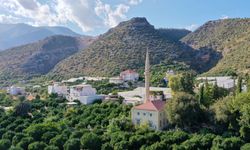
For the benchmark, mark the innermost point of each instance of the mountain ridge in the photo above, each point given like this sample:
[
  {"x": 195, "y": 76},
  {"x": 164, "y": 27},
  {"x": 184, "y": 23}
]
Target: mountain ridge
[
  {"x": 40, "y": 57},
  {"x": 231, "y": 38},
  {"x": 124, "y": 47},
  {"x": 13, "y": 35}
]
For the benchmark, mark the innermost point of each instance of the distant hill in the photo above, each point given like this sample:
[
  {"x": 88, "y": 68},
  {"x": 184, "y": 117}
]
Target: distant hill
[
  {"x": 40, "y": 57},
  {"x": 124, "y": 47},
  {"x": 230, "y": 37},
  {"x": 174, "y": 34},
  {"x": 12, "y": 35}
]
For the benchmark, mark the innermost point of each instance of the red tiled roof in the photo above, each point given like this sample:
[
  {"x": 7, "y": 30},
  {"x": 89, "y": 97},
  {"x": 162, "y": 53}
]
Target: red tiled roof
[
  {"x": 128, "y": 71},
  {"x": 152, "y": 105}
]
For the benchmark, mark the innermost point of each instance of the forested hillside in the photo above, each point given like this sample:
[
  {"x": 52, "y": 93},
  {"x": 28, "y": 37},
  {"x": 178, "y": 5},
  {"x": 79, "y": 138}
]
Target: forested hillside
[
  {"x": 231, "y": 38},
  {"x": 38, "y": 58},
  {"x": 124, "y": 47}
]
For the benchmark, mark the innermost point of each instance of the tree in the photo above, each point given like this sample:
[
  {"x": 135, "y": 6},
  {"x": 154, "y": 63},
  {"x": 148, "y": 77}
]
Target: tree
[
  {"x": 22, "y": 109},
  {"x": 72, "y": 144},
  {"x": 24, "y": 143},
  {"x": 184, "y": 110},
  {"x": 175, "y": 83},
  {"x": 201, "y": 94},
  {"x": 232, "y": 143},
  {"x": 1, "y": 111},
  {"x": 222, "y": 111},
  {"x": 38, "y": 130},
  {"x": 182, "y": 83},
  {"x": 248, "y": 83},
  {"x": 187, "y": 82},
  {"x": 17, "y": 138},
  {"x": 239, "y": 85},
  {"x": 245, "y": 122},
  {"x": 37, "y": 146},
  {"x": 216, "y": 91},
  {"x": 58, "y": 141},
  {"x": 91, "y": 141},
  {"x": 208, "y": 94},
  {"x": 5, "y": 144},
  {"x": 51, "y": 147},
  {"x": 245, "y": 147},
  {"x": 199, "y": 142}
]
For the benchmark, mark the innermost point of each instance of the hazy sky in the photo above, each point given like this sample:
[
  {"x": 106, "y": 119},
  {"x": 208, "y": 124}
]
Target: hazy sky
[{"x": 96, "y": 16}]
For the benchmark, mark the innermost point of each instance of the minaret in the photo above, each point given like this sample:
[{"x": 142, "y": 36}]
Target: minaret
[{"x": 147, "y": 77}]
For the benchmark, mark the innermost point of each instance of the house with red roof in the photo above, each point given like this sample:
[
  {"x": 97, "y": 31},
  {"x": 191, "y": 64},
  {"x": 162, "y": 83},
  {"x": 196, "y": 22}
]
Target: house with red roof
[
  {"x": 129, "y": 75},
  {"x": 151, "y": 113}
]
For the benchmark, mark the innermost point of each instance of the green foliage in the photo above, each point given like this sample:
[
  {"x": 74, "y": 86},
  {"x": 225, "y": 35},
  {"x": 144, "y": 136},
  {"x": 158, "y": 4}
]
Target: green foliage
[
  {"x": 222, "y": 110},
  {"x": 245, "y": 146},
  {"x": 198, "y": 142},
  {"x": 184, "y": 111},
  {"x": 51, "y": 147},
  {"x": 52, "y": 125},
  {"x": 5, "y": 144},
  {"x": 233, "y": 113},
  {"x": 239, "y": 85},
  {"x": 210, "y": 93},
  {"x": 72, "y": 144},
  {"x": 228, "y": 36},
  {"x": 37, "y": 146},
  {"x": 22, "y": 109},
  {"x": 232, "y": 143},
  {"x": 91, "y": 141},
  {"x": 182, "y": 83}
]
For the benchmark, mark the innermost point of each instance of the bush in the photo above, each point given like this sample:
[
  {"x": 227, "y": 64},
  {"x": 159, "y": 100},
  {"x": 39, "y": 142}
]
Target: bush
[
  {"x": 5, "y": 144},
  {"x": 245, "y": 147},
  {"x": 72, "y": 144},
  {"x": 91, "y": 141},
  {"x": 37, "y": 146}
]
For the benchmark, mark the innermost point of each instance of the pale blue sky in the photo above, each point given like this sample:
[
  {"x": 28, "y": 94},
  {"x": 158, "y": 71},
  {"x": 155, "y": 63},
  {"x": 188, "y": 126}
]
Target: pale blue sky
[{"x": 94, "y": 17}]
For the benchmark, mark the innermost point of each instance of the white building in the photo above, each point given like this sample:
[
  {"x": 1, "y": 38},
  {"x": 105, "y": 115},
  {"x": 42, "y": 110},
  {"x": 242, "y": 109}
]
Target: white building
[
  {"x": 116, "y": 80},
  {"x": 95, "y": 78},
  {"x": 150, "y": 112},
  {"x": 14, "y": 90},
  {"x": 226, "y": 82},
  {"x": 72, "y": 80},
  {"x": 129, "y": 75},
  {"x": 58, "y": 88},
  {"x": 137, "y": 96},
  {"x": 84, "y": 93}
]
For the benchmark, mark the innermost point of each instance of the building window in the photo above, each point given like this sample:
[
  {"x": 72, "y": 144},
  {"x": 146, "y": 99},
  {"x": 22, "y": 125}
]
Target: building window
[
  {"x": 144, "y": 114},
  {"x": 160, "y": 123},
  {"x": 138, "y": 113},
  {"x": 138, "y": 121},
  {"x": 150, "y": 114}
]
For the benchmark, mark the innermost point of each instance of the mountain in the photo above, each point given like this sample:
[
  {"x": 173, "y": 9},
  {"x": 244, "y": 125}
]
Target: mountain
[
  {"x": 231, "y": 38},
  {"x": 124, "y": 47},
  {"x": 174, "y": 34},
  {"x": 40, "y": 57},
  {"x": 12, "y": 35}
]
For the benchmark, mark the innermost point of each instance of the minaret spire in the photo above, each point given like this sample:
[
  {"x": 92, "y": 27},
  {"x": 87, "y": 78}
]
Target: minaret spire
[{"x": 147, "y": 77}]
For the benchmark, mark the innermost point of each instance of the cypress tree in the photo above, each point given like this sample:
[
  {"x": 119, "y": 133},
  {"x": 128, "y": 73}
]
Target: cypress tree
[
  {"x": 239, "y": 85},
  {"x": 201, "y": 94}
]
